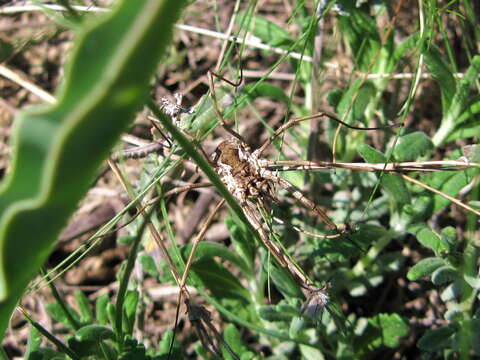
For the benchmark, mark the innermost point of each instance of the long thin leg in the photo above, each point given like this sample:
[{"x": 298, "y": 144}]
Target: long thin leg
[
  {"x": 309, "y": 204},
  {"x": 218, "y": 112},
  {"x": 294, "y": 122},
  {"x": 282, "y": 258},
  {"x": 317, "y": 298},
  {"x": 183, "y": 290}
]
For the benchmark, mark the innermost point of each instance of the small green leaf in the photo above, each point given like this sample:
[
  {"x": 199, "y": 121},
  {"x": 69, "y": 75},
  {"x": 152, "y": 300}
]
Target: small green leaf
[
  {"x": 164, "y": 346},
  {"x": 242, "y": 239},
  {"x": 452, "y": 118},
  {"x": 425, "y": 268},
  {"x": 266, "y": 90},
  {"x": 268, "y": 32},
  {"x": 451, "y": 185},
  {"x": 449, "y": 236},
  {"x": 412, "y": 146},
  {"x": 44, "y": 353},
  {"x": 271, "y": 313},
  {"x": 393, "y": 185},
  {"x": 101, "y": 309},
  {"x": 95, "y": 333},
  {"x": 130, "y": 309},
  {"x": 369, "y": 154},
  {"x": 86, "y": 314},
  {"x": 444, "y": 274},
  {"x": 208, "y": 250},
  {"x": 452, "y": 291},
  {"x": 220, "y": 281},
  {"x": 363, "y": 38},
  {"x": 57, "y": 313},
  {"x": 111, "y": 313},
  {"x": 233, "y": 338},
  {"x": 472, "y": 153},
  {"x": 401, "y": 49},
  {"x": 392, "y": 327},
  {"x": 148, "y": 264},
  {"x": 296, "y": 325},
  {"x": 468, "y": 125},
  {"x": 434, "y": 340},
  {"x": 442, "y": 73},
  {"x": 431, "y": 240},
  {"x": 34, "y": 341},
  {"x": 311, "y": 353},
  {"x": 283, "y": 281}
]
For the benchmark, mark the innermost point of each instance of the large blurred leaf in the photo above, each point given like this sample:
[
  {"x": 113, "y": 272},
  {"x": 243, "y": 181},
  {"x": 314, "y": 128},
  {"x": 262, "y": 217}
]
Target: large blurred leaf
[{"x": 59, "y": 148}]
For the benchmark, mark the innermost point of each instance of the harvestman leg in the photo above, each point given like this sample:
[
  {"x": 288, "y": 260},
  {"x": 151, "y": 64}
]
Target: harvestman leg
[
  {"x": 252, "y": 216},
  {"x": 309, "y": 204}
]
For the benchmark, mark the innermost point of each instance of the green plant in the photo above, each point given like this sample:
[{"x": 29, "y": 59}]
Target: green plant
[{"x": 58, "y": 148}]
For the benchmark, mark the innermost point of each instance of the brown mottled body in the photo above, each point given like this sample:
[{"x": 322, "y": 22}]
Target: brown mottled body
[
  {"x": 240, "y": 170},
  {"x": 248, "y": 179}
]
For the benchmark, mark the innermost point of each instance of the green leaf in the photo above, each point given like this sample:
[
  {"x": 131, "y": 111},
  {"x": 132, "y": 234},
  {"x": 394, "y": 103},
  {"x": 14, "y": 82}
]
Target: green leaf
[
  {"x": 57, "y": 313},
  {"x": 392, "y": 327},
  {"x": 448, "y": 183},
  {"x": 164, "y": 346},
  {"x": 431, "y": 240},
  {"x": 468, "y": 125},
  {"x": 101, "y": 309},
  {"x": 233, "y": 338},
  {"x": 34, "y": 341},
  {"x": 245, "y": 245},
  {"x": 444, "y": 274},
  {"x": 268, "y": 32},
  {"x": 472, "y": 153},
  {"x": 451, "y": 118},
  {"x": 58, "y": 148},
  {"x": 425, "y": 267},
  {"x": 449, "y": 236},
  {"x": 86, "y": 315},
  {"x": 393, "y": 185},
  {"x": 410, "y": 43},
  {"x": 363, "y": 38},
  {"x": 442, "y": 73},
  {"x": 360, "y": 94},
  {"x": 369, "y": 154},
  {"x": 148, "y": 264},
  {"x": 220, "y": 281},
  {"x": 130, "y": 310},
  {"x": 434, "y": 340},
  {"x": 274, "y": 313},
  {"x": 283, "y": 281},
  {"x": 94, "y": 333},
  {"x": 310, "y": 352},
  {"x": 412, "y": 146},
  {"x": 45, "y": 354},
  {"x": 209, "y": 250},
  {"x": 263, "y": 89}
]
